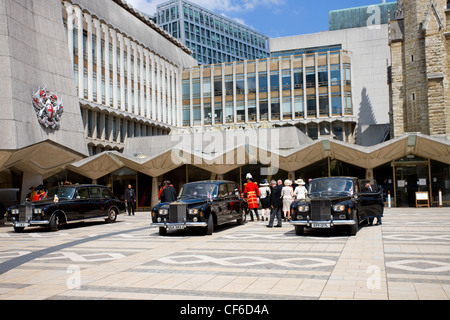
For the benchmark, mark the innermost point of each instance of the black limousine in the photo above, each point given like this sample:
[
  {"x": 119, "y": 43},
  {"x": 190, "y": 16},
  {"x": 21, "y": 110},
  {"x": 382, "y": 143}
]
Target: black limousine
[
  {"x": 203, "y": 204},
  {"x": 337, "y": 201},
  {"x": 64, "y": 204}
]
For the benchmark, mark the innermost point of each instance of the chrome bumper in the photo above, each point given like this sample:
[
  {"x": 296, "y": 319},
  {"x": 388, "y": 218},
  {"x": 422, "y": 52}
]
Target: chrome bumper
[
  {"x": 179, "y": 226},
  {"x": 18, "y": 224},
  {"x": 332, "y": 223}
]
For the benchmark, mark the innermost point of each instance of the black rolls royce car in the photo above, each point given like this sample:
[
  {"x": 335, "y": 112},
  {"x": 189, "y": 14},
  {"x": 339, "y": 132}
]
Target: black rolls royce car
[
  {"x": 203, "y": 204},
  {"x": 337, "y": 201},
  {"x": 64, "y": 204}
]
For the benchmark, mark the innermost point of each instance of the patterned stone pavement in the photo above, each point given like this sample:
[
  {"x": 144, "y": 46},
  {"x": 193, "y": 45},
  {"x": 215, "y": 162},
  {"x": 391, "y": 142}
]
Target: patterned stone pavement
[{"x": 408, "y": 257}]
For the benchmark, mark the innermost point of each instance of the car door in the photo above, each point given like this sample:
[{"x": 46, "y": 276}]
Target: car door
[
  {"x": 96, "y": 208},
  {"x": 81, "y": 204},
  {"x": 233, "y": 205},
  {"x": 223, "y": 204},
  {"x": 370, "y": 201}
]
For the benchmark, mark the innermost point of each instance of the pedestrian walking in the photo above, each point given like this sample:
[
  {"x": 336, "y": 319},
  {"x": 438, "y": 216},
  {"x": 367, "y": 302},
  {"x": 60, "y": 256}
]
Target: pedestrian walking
[
  {"x": 265, "y": 192},
  {"x": 251, "y": 193},
  {"x": 130, "y": 200},
  {"x": 276, "y": 204},
  {"x": 287, "y": 193}
]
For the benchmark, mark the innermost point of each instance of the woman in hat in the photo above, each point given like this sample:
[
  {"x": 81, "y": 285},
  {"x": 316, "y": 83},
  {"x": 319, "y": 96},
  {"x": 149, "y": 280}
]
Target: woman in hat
[
  {"x": 288, "y": 197},
  {"x": 300, "y": 191},
  {"x": 265, "y": 199},
  {"x": 251, "y": 193}
]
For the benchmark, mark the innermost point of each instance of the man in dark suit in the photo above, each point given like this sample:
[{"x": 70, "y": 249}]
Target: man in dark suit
[
  {"x": 276, "y": 204},
  {"x": 130, "y": 200},
  {"x": 169, "y": 194}
]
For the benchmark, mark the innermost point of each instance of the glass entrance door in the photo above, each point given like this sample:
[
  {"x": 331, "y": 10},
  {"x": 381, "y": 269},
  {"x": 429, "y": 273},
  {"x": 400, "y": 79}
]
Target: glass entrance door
[{"x": 411, "y": 176}]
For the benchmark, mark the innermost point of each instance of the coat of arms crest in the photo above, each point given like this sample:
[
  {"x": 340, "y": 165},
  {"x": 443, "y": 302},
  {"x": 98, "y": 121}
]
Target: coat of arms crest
[{"x": 49, "y": 108}]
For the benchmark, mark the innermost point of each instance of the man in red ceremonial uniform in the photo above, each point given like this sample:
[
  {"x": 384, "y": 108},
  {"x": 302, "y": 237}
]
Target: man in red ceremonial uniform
[{"x": 251, "y": 193}]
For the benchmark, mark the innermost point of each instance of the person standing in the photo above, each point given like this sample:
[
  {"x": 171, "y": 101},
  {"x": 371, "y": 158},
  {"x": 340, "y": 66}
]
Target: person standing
[
  {"x": 300, "y": 191},
  {"x": 265, "y": 199},
  {"x": 251, "y": 193},
  {"x": 287, "y": 193},
  {"x": 130, "y": 200},
  {"x": 275, "y": 204},
  {"x": 168, "y": 194}
]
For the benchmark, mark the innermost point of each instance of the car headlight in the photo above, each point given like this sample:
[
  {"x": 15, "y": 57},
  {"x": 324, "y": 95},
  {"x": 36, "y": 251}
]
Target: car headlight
[
  {"x": 303, "y": 208},
  {"x": 37, "y": 211},
  {"x": 163, "y": 212},
  {"x": 15, "y": 211},
  {"x": 339, "y": 208},
  {"x": 193, "y": 212}
]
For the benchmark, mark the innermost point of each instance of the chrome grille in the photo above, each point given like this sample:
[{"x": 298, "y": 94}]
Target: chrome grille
[
  {"x": 25, "y": 212},
  {"x": 177, "y": 212},
  {"x": 320, "y": 210}
]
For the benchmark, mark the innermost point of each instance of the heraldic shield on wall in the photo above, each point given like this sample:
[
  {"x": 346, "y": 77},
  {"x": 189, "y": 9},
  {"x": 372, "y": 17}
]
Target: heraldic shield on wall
[{"x": 49, "y": 108}]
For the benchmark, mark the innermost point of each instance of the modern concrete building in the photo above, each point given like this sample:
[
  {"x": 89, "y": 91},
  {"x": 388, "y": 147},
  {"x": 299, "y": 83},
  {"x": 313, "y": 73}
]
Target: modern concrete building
[
  {"x": 368, "y": 53},
  {"x": 213, "y": 38}
]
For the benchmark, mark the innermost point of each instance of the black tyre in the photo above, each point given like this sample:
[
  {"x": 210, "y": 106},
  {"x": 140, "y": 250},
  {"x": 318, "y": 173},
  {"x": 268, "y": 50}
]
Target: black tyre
[
  {"x": 112, "y": 215},
  {"x": 299, "y": 230},
  {"x": 54, "y": 223},
  {"x": 243, "y": 218},
  {"x": 210, "y": 228},
  {"x": 353, "y": 230},
  {"x": 19, "y": 229},
  {"x": 162, "y": 231}
]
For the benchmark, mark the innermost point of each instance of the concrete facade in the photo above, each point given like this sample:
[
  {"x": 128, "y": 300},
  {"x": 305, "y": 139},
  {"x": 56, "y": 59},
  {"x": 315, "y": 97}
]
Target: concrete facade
[{"x": 370, "y": 55}]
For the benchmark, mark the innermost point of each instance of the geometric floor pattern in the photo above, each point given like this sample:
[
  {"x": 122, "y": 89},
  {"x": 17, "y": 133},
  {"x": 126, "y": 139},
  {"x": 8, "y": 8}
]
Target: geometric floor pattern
[{"x": 407, "y": 257}]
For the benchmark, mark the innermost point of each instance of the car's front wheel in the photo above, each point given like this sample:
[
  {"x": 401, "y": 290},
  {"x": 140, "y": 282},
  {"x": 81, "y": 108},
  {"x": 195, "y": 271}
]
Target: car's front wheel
[
  {"x": 354, "y": 228},
  {"x": 54, "y": 223},
  {"x": 210, "y": 227}
]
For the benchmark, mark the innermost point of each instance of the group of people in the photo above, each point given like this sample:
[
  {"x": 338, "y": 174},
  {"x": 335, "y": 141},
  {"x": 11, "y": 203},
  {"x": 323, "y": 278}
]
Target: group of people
[
  {"x": 275, "y": 198},
  {"x": 37, "y": 193}
]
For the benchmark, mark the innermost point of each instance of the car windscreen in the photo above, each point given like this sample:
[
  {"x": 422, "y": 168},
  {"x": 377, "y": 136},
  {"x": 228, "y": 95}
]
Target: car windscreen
[
  {"x": 63, "y": 193},
  {"x": 202, "y": 190},
  {"x": 331, "y": 186}
]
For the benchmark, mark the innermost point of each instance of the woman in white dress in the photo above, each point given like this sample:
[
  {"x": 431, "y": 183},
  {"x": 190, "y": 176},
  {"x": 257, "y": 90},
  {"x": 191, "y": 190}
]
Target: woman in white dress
[
  {"x": 300, "y": 191},
  {"x": 265, "y": 192},
  {"x": 287, "y": 193}
]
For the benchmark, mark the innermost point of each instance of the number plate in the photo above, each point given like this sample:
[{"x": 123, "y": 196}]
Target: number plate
[
  {"x": 20, "y": 224},
  {"x": 176, "y": 227},
  {"x": 321, "y": 225}
]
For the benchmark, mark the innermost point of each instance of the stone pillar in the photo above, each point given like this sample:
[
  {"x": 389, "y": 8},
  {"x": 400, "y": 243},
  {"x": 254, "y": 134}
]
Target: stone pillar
[
  {"x": 79, "y": 17},
  {"x": 369, "y": 174},
  {"x": 107, "y": 62},
  {"x": 70, "y": 16},
  {"x": 114, "y": 66},
  {"x": 155, "y": 191},
  {"x": 90, "y": 68}
]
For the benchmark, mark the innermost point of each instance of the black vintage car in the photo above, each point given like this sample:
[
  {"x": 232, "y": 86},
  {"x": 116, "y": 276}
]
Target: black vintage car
[
  {"x": 65, "y": 204},
  {"x": 335, "y": 202},
  {"x": 203, "y": 204}
]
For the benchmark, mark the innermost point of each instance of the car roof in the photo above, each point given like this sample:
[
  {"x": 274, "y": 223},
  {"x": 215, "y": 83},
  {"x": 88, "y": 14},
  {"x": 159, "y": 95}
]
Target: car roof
[
  {"x": 79, "y": 186},
  {"x": 211, "y": 181},
  {"x": 336, "y": 178}
]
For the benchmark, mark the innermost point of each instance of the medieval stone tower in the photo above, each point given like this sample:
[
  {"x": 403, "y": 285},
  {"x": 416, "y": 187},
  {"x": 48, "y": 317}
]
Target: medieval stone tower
[{"x": 419, "y": 73}]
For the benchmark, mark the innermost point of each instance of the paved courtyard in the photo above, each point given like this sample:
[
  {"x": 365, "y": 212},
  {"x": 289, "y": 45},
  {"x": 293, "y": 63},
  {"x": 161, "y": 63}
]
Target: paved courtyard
[{"x": 407, "y": 257}]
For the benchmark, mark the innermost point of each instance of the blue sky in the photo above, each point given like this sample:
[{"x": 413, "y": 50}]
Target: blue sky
[{"x": 276, "y": 18}]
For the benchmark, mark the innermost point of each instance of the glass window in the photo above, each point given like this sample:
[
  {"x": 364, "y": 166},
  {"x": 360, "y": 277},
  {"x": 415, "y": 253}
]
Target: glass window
[
  {"x": 286, "y": 80},
  {"x": 348, "y": 103},
  {"x": 252, "y": 110},
  {"x": 240, "y": 110},
  {"x": 324, "y": 105},
  {"x": 338, "y": 131},
  {"x": 324, "y": 129},
  {"x": 348, "y": 74},
  {"x": 207, "y": 87},
  {"x": 229, "y": 85},
  {"x": 287, "y": 108},
  {"x": 186, "y": 115},
  {"x": 229, "y": 112},
  {"x": 82, "y": 193},
  {"x": 197, "y": 115},
  {"x": 311, "y": 105},
  {"x": 275, "y": 108},
  {"x": 323, "y": 76},
  {"x": 274, "y": 81},
  {"x": 299, "y": 107},
  {"x": 335, "y": 75},
  {"x": 336, "y": 102},
  {"x": 262, "y": 82},
  {"x": 217, "y": 86},
  {"x": 218, "y": 112},
  {"x": 251, "y": 82},
  {"x": 240, "y": 84},
  {"x": 186, "y": 90},
  {"x": 264, "y": 109},
  {"x": 313, "y": 131},
  {"x": 196, "y": 88},
  {"x": 207, "y": 113},
  {"x": 298, "y": 78},
  {"x": 310, "y": 77},
  {"x": 95, "y": 192}
]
